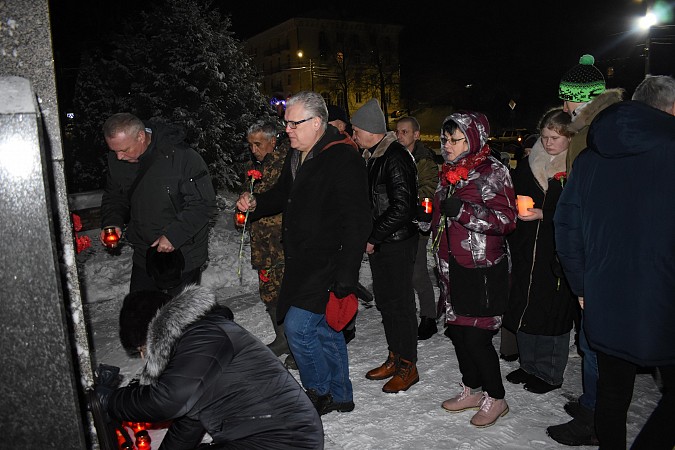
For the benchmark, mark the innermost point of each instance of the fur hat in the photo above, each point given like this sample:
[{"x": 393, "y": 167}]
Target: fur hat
[
  {"x": 166, "y": 268},
  {"x": 582, "y": 82},
  {"x": 337, "y": 113},
  {"x": 370, "y": 118}
]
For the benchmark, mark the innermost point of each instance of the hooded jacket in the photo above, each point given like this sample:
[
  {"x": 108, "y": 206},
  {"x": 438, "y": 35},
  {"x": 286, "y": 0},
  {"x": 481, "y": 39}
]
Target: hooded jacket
[
  {"x": 477, "y": 235},
  {"x": 392, "y": 177},
  {"x": 207, "y": 374},
  {"x": 488, "y": 212},
  {"x": 175, "y": 197},
  {"x": 615, "y": 233}
]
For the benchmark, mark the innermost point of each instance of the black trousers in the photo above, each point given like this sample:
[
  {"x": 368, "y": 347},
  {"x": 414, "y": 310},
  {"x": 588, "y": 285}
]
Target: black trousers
[
  {"x": 141, "y": 281},
  {"x": 392, "y": 269},
  {"x": 477, "y": 358},
  {"x": 615, "y": 392}
]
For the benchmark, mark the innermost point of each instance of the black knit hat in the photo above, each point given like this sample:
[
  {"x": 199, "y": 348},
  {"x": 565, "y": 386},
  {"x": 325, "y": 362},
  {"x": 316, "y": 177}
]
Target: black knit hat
[
  {"x": 138, "y": 310},
  {"x": 337, "y": 113},
  {"x": 583, "y": 82}
]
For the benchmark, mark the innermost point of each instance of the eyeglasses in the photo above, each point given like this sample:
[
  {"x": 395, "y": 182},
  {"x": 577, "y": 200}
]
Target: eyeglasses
[
  {"x": 293, "y": 124},
  {"x": 453, "y": 141}
]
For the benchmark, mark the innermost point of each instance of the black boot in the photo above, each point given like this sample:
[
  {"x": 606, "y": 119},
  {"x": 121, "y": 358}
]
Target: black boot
[
  {"x": 427, "y": 328},
  {"x": 279, "y": 345},
  {"x": 578, "y": 431}
]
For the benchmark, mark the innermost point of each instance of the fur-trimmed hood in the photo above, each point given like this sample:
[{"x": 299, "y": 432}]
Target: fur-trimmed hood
[
  {"x": 171, "y": 321},
  {"x": 591, "y": 109}
]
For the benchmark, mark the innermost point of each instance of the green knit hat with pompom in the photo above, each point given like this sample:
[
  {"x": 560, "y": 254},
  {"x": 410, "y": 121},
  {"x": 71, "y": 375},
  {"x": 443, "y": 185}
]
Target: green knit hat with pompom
[{"x": 582, "y": 82}]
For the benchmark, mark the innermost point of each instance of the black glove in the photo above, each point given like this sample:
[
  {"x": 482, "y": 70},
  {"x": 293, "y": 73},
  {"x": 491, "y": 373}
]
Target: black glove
[
  {"x": 106, "y": 382},
  {"x": 451, "y": 206},
  {"x": 423, "y": 216},
  {"x": 341, "y": 290}
]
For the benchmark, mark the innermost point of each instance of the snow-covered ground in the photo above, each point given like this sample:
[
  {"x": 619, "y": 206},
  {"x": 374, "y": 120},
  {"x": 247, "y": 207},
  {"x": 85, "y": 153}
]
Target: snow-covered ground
[{"x": 408, "y": 420}]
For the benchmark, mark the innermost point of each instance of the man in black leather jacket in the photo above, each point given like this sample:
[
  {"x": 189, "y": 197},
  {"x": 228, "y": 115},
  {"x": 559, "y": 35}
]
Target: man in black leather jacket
[
  {"x": 392, "y": 245},
  {"x": 205, "y": 373}
]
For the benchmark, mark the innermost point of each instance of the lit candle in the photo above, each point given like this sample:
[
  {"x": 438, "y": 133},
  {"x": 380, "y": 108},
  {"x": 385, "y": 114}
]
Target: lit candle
[
  {"x": 523, "y": 202},
  {"x": 240, "y": 218},
  {"x": 143, "y": 440},
  {"x": 110, "y": 237},
  {"x": 426, "y": 204}
]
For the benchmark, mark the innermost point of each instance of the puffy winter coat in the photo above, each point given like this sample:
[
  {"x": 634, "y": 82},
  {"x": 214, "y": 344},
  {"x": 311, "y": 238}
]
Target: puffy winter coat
[
  {"x": 326, "y": 220},
  {"x": 615, "y": 233},
  {"x": 207, "y": 374},
  {"x": 392, "y": 177},
  {"x": 175, "y": 197},
  {"x": 477, "y": 235}
]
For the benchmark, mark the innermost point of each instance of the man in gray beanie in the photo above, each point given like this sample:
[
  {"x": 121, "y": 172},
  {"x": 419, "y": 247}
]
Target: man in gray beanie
[{"x": 392, "y": 245}]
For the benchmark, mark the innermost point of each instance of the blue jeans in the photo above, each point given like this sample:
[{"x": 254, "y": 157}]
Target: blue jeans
[
  {"x": 544, "y": 356},
  {"x": 320, "y": 353},
  {"x": 589, "y": 372}
]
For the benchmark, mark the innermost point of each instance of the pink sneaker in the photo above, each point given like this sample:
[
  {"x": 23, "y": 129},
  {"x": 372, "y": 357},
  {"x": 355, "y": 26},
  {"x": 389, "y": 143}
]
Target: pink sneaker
[
  {"x": 490, "y": 410},
  {"x": 465, "y": 400}
]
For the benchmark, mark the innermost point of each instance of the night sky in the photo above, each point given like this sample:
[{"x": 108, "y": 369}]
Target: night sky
[{"x": 513, "y": 49}]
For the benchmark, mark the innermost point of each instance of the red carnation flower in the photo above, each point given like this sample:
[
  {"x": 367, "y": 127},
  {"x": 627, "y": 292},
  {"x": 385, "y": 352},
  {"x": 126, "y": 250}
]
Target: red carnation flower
[
  {"x": 255, "y": 174},
  {"x": 455, "y": 175},
  {"x": 263, "y": 274}
]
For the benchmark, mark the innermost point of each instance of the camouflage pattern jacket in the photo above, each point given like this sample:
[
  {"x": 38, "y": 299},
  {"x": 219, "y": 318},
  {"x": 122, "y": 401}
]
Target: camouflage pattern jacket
[{"x": 266, "y": 248}]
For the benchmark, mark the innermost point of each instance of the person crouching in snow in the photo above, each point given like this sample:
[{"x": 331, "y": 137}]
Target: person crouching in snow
[{"x": 208, "y": 375}]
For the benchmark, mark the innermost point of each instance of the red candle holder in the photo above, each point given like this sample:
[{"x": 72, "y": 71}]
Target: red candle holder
[
  {"x": 110, "y": 237},
  {"x": 426, "y": 204},
  {"x": 143, "y": 440},
  {"x": 240, "y": 218}
]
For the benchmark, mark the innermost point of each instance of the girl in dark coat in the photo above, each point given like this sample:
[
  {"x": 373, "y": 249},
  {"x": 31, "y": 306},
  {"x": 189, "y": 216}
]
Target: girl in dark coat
[
  {"x": 541, "y": 305},
  {"x": 208, "y": 375}
]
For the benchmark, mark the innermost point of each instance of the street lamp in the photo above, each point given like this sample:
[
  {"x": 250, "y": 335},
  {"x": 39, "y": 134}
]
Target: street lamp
[
  {"x": 646, "y": 23},
  {"x": 311, "y": 68}
]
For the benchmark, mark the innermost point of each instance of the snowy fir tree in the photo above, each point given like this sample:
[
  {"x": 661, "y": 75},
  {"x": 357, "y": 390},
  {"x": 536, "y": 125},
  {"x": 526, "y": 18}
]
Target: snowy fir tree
[{"x": 177, "y": 62}]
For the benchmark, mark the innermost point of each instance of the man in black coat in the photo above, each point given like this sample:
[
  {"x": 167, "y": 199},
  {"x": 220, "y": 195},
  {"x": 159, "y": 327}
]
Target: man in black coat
[
  {"x": 618, "y": 255},
  {"x": 392, "y": 245},
  {"x": 161, "y": 189},
  {"x": 323, "y": 193},
  {"x": 208, "y": 375}
]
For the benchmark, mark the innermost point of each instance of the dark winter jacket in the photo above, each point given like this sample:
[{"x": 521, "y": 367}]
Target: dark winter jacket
[
  {"x": 427, "y": 171},
  {"x": 175, "y": 197},
  {"x": 540, "y": 302},
  {"x": 208, "y": 374},
  {"x": 392, "y": 178},
  {"x": 326, "y": 220},
  {"x": 615, "y": 233}
]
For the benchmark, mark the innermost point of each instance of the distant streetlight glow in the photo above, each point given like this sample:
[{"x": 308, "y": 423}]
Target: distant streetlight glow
[{"x": 647, "y": 21}]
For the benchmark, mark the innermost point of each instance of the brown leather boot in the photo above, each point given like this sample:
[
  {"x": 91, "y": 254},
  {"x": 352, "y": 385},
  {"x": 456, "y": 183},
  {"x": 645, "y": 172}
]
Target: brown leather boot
[
  {"x": 386, "y": 370},
  {"x": 406, "y": 375}
]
